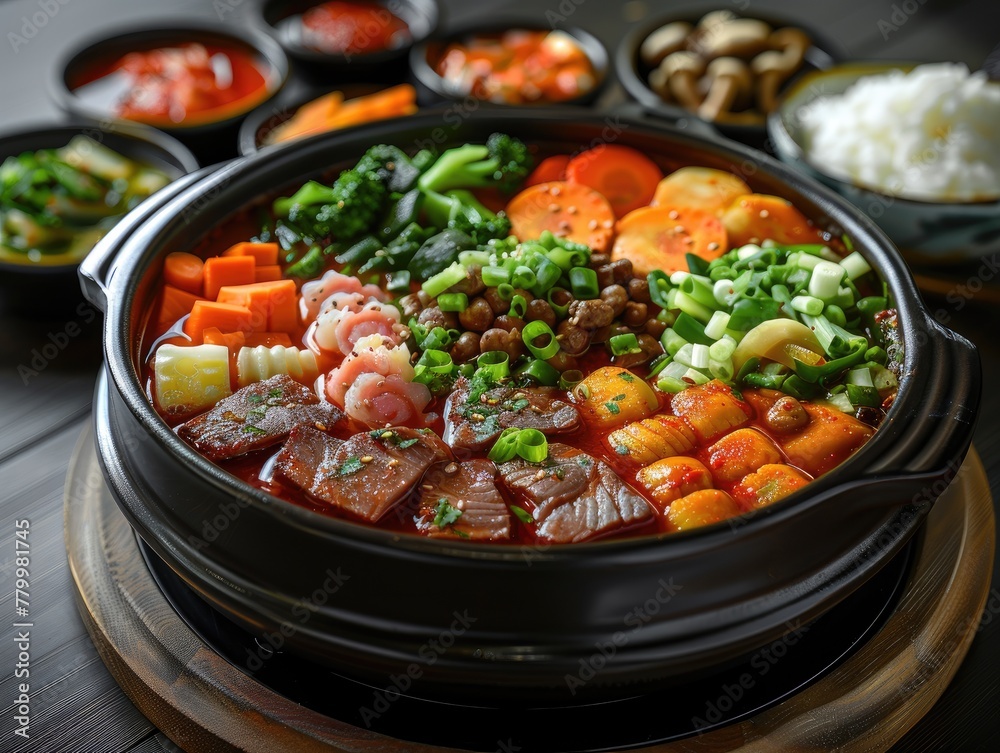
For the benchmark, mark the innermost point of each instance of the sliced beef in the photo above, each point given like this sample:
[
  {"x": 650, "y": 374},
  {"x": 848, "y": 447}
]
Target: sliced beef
[
  {"x": 460, "y": 500},
  {"x": 365, "y": 475},
  {"x": 476, "y": 425},
  {"x": 257, "y": 416},
  {"x": 573, "y": 496}
]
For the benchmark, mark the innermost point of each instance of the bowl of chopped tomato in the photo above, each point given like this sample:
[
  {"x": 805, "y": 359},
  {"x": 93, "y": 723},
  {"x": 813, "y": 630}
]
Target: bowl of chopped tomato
[
  {"x": 370, "y": 35},
  {"x": 194, "y": 81},
  {"x": 512, "y": 62},
  {"x": 525, "y": 377}
]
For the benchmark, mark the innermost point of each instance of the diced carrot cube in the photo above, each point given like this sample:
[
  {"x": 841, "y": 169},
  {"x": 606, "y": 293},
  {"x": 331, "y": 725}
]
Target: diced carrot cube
[
  {"x": 267, "y": 273},
  {"x": 174, "y": 304},
  {"x": 273, "y": 304},
  {"x": 265, "y": 254},
  {"x": 226, "y": 316},
  {"x": 221, "y": 271}
]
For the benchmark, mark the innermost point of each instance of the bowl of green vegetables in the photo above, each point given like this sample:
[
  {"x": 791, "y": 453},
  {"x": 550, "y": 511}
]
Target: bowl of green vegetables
[{"x": 62, "y": 188}]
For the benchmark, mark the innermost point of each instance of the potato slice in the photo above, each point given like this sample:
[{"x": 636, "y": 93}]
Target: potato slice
[{"x": 699, "y": 188}]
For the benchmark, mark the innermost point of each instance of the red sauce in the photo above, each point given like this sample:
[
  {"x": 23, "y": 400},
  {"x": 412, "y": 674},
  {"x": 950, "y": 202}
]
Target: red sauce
[
  {"x": 353, "y": 28},
  {"x": 186, "y": 84}
]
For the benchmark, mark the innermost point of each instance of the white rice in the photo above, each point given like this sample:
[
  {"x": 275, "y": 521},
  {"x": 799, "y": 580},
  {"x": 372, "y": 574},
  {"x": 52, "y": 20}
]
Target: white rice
[{"x": 932, "y": 134}]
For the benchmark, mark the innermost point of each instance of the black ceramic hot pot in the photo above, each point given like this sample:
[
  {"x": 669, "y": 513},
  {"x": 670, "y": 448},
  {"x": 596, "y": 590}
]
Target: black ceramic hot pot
[{"x": 498, "y": 622}]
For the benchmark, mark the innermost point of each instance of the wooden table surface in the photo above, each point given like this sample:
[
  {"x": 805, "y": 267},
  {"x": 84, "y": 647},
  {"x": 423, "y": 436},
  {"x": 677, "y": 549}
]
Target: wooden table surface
[{"x": 46, "y": 393}]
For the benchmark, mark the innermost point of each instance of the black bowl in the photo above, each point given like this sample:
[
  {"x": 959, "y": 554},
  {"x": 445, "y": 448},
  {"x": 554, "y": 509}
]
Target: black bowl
[
  {"x": 434, "y": 88},
  {"x": 37, "y": 288},
  {"x": 280, "y": 19},
  {"x": 634, "y": 74},
  {"x": 206, "y": 139},
  {"x": 525, "y": 624},
  {"x": 263, "y": 120}
]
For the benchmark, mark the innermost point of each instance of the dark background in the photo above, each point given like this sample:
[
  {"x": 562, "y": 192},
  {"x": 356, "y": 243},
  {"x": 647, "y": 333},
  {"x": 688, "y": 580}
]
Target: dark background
[{"x": 76, "y": 704}]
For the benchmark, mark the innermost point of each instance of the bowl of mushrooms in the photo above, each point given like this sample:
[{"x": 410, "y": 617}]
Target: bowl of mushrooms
[{"x": 726, "y": 69}]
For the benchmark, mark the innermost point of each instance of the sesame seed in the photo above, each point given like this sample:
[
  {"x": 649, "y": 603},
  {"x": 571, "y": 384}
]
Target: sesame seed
[
  {"x": 556, "y": 190},
  {"x": 592, "y": 225},
  {"x": 393, "y": 462},
  {"x": 553, "y": 207},
  {"x": 427, "y": 487},
  {"x": 451, "y": 468},
  {"x": 321, "y": 427},
  {"x": 673, "y": 214},
  {"x": 764, "y": 214},
  {"x": 386, "y": 434},
  {"x": 713, "y": 246},
  {"x": 609, "y": 224},
  {"x": 571, "y": 209},
  {"x": 367, "y": 459},
  {"x": 539, "y": 476}
]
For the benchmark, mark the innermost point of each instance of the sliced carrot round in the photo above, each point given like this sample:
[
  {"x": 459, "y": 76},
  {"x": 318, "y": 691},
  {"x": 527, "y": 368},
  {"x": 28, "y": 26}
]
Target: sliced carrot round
[
  {"x": 626, "y": 177},
  {"x": 567, "y": 210},
  {"x": 758, "y": 216},
  {"x": 550, "y": 168},
  {"x": 660, "y": 237},
  {"x": 185, "y": 271}
]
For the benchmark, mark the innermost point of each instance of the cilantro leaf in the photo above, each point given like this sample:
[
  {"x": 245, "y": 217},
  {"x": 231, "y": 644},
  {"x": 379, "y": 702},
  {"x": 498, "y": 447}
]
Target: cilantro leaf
[
  {"x": 353, "y": 464},
  {"x": 446, "y": 513}
]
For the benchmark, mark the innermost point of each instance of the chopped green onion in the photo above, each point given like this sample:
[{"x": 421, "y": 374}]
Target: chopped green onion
[
  {"x": 700, "y": 289},
  {"x": 538, "y": 371},
  {"x": 841, "y": 402},
  {"x": 518, "y": 306},
  {"x": 690, "y": 306},
  {"x": 699, "y": 356},
  {"x": 437, "y": 284},
  {"x": 745, "y": 252},
  {"x": 533, "y": 331},
  {"x": 532, "y": 445},
  {"x": 566, "y": 259},
  {"x": 825, "y": 280},
  {"x": 835, "y": 314},
  {"x": 863, "y": 395},
  {"x": 624, "y": 343},
  {"x": 763, "y": 381},
  {"x": 693, "y": 376},
  {"x": 676, "y": 278},
  {"x": 505, "y": 448},
  {"x": 494, "y": 276},
  {"x": 505, "y": 291},
  {"x": 470, "y": 258},
  {"x": 806, "y": 304},
  {"x": 878, "y": 355},
  {"x": 659, "y": 286},
  {"x": 583, "y": 283},
  {"x": 717, "y": 325},
  {"x": 523, "y": 515},
  {"x": 672, "y": 384},
  {"x": 804, "y": 260},
  {"x": 671, "y": 341},
  {"x": 722, "y": 291},
  {"x": 855, "y": 265},
  {"x": 547, "y": 274},
  {"x": 433, "y": 361},
  {"x": 437, "y": 338},
  {"x": 523, "y": 277},
  {"x": 495, "y": 363},
  {"x": 722, "y": 349},
  {"x": 658, "y": 364},
  {"x": 721, "y": 368},
  {"x": 570, "y": 379},
  {"x": 685, "y": 355},
  {"x": 861, "y": 377},
  {"x": 559, "y": 299},
  {"x": 691, "y": 329},
  {"x": 453, "y": 301}
]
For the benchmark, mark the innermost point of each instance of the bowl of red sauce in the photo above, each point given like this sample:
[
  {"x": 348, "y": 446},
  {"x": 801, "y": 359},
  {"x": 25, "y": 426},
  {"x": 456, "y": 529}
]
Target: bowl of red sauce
[
  {"x": 513, "y": 63},
  {"x": 350, "y": 34},
  {"x": 186, "y": 80}
]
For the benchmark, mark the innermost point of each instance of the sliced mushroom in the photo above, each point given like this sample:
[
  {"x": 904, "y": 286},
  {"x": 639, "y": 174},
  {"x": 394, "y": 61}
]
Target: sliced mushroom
[
  {"x": 683, "y": 70},
  {"x": 664, "y": 41},
  {"x": 741, "y": 37},
  {"x": 730, "y": 84}
]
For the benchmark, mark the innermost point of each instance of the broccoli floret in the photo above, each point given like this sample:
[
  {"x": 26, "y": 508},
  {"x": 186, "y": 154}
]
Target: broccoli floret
[
  {"x": 347, "y": 209},
  {"x": 503, "y": 162},
  {"x": 391, "y": 164},
  {"x": 460, "y": 210}
]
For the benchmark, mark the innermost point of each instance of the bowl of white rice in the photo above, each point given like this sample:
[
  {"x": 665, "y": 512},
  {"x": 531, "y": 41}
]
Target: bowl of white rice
[{"x": 917, "y": 147}]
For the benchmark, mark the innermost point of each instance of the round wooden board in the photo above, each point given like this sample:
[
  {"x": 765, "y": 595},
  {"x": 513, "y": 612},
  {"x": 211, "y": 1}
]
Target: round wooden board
[{"x": 203, "y": 703}]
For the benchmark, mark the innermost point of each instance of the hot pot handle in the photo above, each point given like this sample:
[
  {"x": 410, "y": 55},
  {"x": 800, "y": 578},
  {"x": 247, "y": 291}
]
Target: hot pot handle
[
  {"x": 98, "y": 266},
  {"x": 932, "y": 437}
]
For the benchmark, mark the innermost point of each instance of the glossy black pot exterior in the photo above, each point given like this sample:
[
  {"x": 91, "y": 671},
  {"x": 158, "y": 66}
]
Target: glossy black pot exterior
[{"x": 569, "y": 622}]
